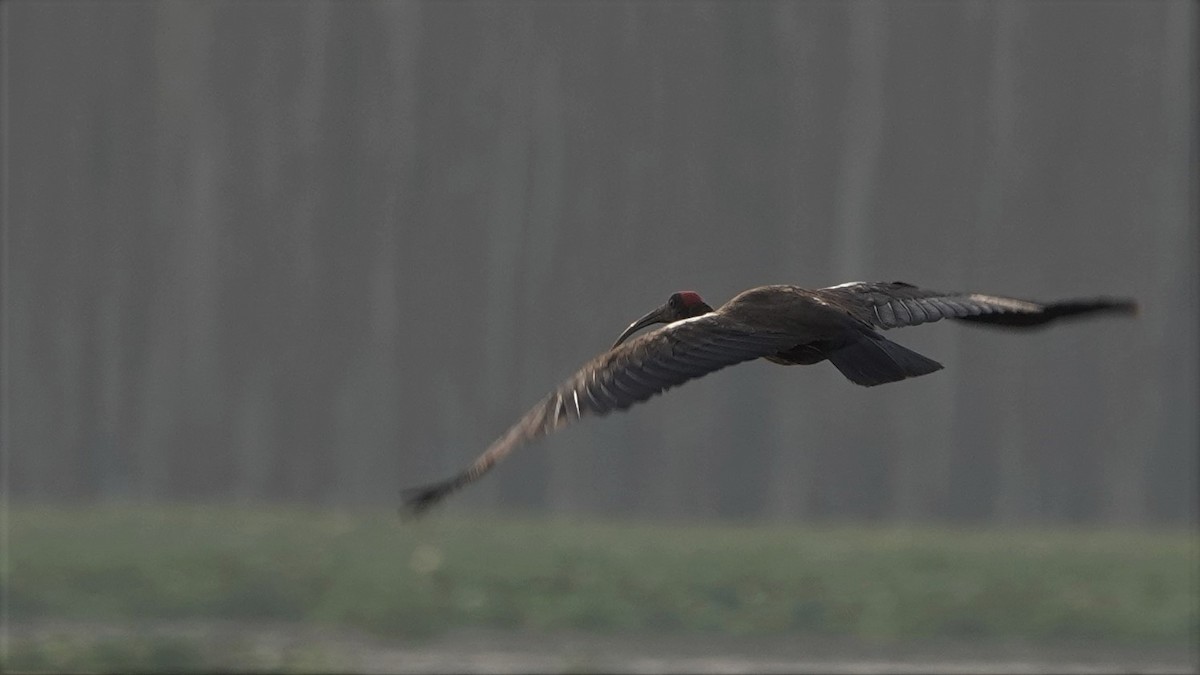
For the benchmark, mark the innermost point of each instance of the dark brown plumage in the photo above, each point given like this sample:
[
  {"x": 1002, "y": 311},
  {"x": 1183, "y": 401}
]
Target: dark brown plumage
[{"x": 784, "y": 324}]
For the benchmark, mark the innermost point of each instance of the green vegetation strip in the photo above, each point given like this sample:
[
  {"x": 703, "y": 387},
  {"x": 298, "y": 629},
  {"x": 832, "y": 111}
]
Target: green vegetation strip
[{"x": 370, "y": 571}]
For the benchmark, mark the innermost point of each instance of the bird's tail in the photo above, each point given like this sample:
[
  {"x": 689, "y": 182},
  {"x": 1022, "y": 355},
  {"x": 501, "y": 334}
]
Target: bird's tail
[{"x": 873, "y": 359}]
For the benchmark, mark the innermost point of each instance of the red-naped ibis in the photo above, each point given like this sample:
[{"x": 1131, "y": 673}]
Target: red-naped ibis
[{"x": 788, "y": 325}]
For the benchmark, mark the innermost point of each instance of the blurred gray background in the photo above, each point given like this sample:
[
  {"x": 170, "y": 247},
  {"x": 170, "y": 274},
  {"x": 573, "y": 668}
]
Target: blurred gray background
[{"x": 315, "y": 252}]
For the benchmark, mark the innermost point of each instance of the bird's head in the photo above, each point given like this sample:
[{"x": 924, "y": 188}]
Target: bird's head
[{"x": 681, "y": 305}]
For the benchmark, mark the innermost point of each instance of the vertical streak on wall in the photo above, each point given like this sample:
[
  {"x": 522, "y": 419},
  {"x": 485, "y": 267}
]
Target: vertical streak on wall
[
  {"x": 294, "y": 460},
  {"x": 1136, "y": 437},
  {"x": 1171, "y": 387},
  {"x": 862, "y": 129},
  {"x": 368, "y": 392},
  {"x": 997, "y": 174},
  {"x": 181, "y": 35},
  {"x": 508, "y": 51},
  {"x": 6, "y": 331},
  {"x": 1186, "y": 17}
]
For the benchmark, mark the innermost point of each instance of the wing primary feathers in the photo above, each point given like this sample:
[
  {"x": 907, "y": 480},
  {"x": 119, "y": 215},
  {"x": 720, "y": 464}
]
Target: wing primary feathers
[
  {"x": 959, "y": 309},
  {"x": 610, "y": 401},
  {"x": 1054, "y": 311},
  {"x": 597, "y": 405},
  {"x": 896, "y": 304}
]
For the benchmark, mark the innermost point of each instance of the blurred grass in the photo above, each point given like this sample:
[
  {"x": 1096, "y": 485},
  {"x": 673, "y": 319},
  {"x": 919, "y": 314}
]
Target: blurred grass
[
  {"x": 371, "y": 572},
  {"x": 70, "y": 651},
  {"x": 143, "y": 654}
]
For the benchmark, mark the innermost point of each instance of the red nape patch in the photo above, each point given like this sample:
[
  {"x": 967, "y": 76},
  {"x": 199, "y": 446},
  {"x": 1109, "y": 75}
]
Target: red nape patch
[{"x": 690, "y": 298}]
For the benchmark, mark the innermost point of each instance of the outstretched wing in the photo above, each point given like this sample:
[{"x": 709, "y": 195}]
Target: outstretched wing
[
  {"x": 615, "y": 380},
  {"x": 896, "y": 304}
]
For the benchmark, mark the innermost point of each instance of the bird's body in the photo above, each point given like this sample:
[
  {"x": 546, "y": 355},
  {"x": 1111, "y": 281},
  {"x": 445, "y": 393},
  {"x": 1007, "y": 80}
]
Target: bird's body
[{"x": 788, "y": 325}]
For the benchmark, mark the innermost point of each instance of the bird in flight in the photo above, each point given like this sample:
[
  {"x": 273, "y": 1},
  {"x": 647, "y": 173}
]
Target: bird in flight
[{"x": 787, "y": 325}]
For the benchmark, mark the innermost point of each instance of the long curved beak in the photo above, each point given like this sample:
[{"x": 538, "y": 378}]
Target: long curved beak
[{"x": 660, "y": 315}]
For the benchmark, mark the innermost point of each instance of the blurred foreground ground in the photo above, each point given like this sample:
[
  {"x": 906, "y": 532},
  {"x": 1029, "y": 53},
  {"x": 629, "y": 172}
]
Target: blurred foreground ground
[
  {"x": 230, "y": 645},
  {"x": 194, "y": 588}
]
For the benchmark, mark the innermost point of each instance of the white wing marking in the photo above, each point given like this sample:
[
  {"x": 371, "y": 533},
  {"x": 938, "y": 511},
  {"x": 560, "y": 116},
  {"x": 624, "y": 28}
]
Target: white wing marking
[{"x": 1007, "y": 303}]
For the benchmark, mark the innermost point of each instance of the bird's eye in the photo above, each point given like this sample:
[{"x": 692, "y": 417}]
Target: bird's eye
[{"x": 674, "y": 300}]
